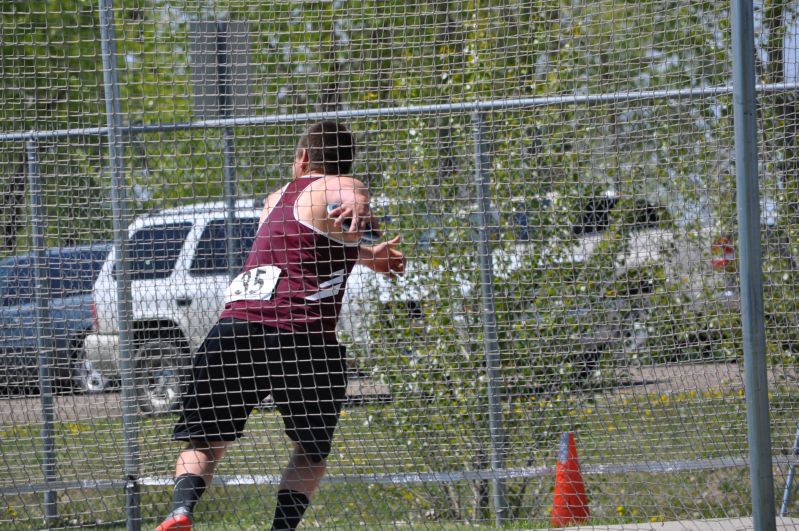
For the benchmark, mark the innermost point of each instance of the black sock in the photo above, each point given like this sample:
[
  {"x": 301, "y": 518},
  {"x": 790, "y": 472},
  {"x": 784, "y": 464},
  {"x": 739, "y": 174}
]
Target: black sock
[
  {"x": 291, "y": 506},
  {"x": 188, "y": 489}
]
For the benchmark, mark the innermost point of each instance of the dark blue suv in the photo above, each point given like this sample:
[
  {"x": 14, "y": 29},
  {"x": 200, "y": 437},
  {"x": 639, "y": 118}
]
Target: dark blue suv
[{"x": 69, "y": 273}]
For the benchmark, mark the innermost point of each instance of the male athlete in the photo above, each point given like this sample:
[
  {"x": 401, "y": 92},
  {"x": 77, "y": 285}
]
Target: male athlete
[{"x": 277, "y": 332}]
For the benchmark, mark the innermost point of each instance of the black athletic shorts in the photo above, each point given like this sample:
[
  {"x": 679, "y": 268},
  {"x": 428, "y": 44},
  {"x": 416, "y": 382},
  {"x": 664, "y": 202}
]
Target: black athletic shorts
[{"x": 241, "y": 362}]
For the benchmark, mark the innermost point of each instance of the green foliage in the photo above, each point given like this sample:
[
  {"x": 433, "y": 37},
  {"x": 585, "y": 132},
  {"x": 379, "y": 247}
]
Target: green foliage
[
  {"x": 50, "y": 79},
  {"x": 49, "y": 57}
]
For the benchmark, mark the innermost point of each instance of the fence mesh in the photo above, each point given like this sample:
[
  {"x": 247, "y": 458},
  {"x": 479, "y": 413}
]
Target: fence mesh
[{"x": 561, "y": 175}]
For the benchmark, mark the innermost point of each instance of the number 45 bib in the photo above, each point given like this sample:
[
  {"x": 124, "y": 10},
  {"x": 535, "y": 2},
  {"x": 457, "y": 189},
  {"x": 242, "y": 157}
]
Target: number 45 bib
[{"x": 256, "y": 284}]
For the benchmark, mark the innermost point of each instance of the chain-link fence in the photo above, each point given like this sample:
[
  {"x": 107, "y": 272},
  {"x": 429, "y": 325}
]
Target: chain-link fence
[{"x": 563, "y": 177}]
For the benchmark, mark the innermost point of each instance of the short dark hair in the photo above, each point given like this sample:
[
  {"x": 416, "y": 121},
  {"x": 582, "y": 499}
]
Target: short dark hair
[{"x": 330, "y": 147}]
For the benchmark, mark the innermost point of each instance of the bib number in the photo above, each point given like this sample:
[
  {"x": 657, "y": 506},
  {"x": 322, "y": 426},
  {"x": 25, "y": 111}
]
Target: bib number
[{"x": 256, "y": 284}]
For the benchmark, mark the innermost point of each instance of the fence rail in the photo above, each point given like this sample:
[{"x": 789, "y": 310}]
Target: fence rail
[
  {"x": 441, "y": 108},
  {"x": 413, "y": 478}
]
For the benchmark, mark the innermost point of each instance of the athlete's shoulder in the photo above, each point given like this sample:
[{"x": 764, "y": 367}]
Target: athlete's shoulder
[
  {"x": 270, "y": 202},
  {"x": 333, "y": 189},
  {"x": 340, "y": 182}
]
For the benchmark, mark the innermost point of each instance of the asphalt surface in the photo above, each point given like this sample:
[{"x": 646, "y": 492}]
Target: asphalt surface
[
  {"x": 677, "y": 377},
  {"x": 723, "y": 524},
  {"x": 16, "y": 409}
]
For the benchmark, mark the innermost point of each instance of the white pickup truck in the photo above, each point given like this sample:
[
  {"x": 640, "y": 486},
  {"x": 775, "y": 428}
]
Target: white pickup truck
[{"x": 178, "y": 272}]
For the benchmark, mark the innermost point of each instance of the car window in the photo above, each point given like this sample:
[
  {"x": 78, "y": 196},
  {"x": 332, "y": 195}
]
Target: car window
[
  {"x": 590, "y": 216},
  {"x": 68, "y": 271},
  {"x": 645, "y": 215},
  {"x": 594, "y": 216},
  {"x": 210, "y": 258},
  {"x": 16, "y": 281},
  {"x": 74, "y": 272},
  {"x": 154, "y": 250}
]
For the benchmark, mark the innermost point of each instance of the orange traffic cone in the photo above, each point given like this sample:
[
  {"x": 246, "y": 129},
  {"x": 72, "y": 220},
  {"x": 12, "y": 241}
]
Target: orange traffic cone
[{"x": 570, "y": 504}]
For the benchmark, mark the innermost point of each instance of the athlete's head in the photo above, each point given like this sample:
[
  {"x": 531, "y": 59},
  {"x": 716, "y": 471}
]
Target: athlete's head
[{"x": 325, "y": 147}]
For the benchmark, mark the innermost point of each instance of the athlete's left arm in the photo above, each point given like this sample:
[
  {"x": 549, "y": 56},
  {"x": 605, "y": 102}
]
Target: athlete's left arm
[
  {"x": 345, "y": 212},
  {"x": 384, "y": 258},
  {"x": 269, "y": 203}
]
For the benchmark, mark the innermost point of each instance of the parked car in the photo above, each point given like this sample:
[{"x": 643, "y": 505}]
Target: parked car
[
  {"x": 178, "y": 271},
  {"x": 69, "y": 274}
]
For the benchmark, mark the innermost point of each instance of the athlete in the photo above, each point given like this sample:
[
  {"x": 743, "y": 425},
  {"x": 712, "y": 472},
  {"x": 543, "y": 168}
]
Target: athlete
[{"x": 276, "y": 334}]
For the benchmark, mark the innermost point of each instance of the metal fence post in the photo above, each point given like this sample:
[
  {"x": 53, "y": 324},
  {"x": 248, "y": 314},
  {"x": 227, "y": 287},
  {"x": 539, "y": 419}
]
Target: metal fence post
[
  {"x": 786, "y": 494},
  {"x": 231, "y": 245},
  {"x": 489, "y": 317},
  {"x": 228, "y": 149},
  {"x": 123, "y": 290},
  {"x": 44, "y": 335},
  {"x": 751, "y": 267}
]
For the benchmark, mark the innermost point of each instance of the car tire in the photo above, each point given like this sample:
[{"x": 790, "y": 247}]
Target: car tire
[
  {"x": 74, "y": 374},
  {"x": 159, "y": 365}
]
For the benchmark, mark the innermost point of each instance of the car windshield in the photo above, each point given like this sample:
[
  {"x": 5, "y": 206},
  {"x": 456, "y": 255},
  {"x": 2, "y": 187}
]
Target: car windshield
[
  {"x": 594, "y": 216},
  {"x": 154, "y": 250},
  {"x": 591, "y": 216},
  {"x": 68, "y": 272},
  {"x": 211, "y": 255}
]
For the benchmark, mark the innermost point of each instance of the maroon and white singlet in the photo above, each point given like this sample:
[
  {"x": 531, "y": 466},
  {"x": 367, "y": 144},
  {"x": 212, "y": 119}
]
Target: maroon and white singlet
[{"x": 295, "y": 276}]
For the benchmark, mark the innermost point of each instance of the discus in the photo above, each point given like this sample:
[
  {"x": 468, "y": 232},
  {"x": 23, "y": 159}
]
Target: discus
[{"x": 368, "y": 235}]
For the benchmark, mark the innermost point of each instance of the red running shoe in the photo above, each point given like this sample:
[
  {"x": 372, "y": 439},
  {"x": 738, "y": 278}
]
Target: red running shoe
[{"x": 178, "y": 520}]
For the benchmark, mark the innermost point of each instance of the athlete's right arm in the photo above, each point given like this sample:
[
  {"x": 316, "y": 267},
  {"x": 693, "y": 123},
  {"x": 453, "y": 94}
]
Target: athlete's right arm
[{"x": 384, "y": 258}]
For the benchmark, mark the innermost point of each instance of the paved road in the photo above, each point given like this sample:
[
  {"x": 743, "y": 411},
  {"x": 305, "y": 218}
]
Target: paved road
[
  {"x": 666, "y": 379},
  {"x": 722, "y": 524},
  {"x": 680, "y": 377},
  {"x": 16, "y": 410}
]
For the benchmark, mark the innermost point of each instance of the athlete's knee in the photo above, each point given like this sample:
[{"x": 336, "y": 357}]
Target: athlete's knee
[
  {"x": 318, "y": 459},
  {"x": 212, "y": 450},
  {"x": 316, "y": 453}
]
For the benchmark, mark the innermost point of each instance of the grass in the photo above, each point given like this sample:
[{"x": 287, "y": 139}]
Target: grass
[{"x": 610, "y": 429}]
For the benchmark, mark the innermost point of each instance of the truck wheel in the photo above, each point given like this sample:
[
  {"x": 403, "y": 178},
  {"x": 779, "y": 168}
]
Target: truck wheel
[
  {"x": 159, "y": 365},
  {"x": 85, "y": 378}
]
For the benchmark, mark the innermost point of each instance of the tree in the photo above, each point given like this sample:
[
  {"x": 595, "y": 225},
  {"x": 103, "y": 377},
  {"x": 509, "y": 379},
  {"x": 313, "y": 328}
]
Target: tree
[{"x": 48, "y": 80}]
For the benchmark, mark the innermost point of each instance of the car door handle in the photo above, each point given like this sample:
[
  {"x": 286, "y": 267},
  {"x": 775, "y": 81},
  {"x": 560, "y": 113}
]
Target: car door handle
[{"x": 183, "y": 302}]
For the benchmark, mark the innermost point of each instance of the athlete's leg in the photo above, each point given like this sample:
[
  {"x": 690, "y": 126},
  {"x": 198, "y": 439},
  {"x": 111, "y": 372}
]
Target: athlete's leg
[
  {"x": 302, "y": 474},
  {"x": 300, "y": 479},
  {"x": 194, "y": 471},
  {"x": 309, "y": 394},
  {"x": 200, "y": 459},
  {"x": 220, "y": 396}
]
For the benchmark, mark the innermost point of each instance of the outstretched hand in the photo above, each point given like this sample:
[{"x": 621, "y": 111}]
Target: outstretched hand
[{"x": 384, "y": 258}]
